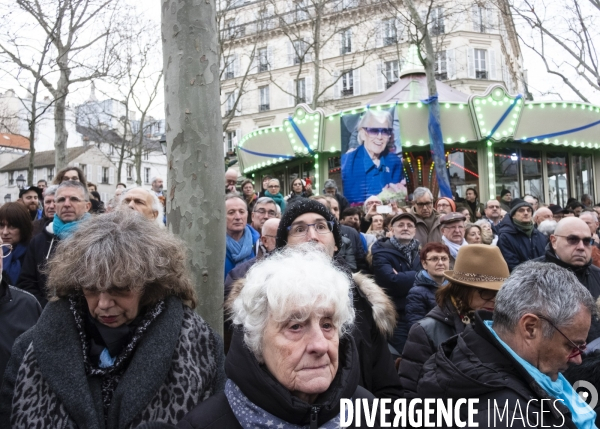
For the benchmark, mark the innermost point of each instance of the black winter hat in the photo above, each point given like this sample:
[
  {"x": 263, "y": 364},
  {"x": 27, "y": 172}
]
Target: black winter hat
[
  {"x": 516, "y": 204},
  {"x": 298, "y": 208},
  {"x": 37, "y": 190},
  {"x": 503, "y": 192}
]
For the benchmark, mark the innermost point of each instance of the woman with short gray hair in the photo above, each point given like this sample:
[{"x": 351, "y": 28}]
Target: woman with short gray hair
[
  {"x": 119, "y": 344},
  {"x": 291, "y": 359}
]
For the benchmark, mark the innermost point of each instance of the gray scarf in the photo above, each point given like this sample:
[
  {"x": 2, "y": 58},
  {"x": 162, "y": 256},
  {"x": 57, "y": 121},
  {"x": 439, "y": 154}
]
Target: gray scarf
[{"x": 409, "y": 250}]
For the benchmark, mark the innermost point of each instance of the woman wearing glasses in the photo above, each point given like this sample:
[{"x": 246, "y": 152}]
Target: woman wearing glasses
[
  {"x": 478, "y": 274},
  {"x": 368, "y": 169},
  {"x": 16, "y": 230}
]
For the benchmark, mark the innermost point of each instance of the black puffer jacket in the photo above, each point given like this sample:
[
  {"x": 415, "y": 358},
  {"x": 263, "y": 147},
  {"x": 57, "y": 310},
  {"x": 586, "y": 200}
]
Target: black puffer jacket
[
  {"x": 515, "y": 246},
  {"x": 588, "y": 275},
  {"x": 263, "y": 390},
  {"x": 475, "y": 365},
  {"x": 421, "y": 298},
  {"x": 359, "y": 252},
  {"x": 424, "y": 338}
]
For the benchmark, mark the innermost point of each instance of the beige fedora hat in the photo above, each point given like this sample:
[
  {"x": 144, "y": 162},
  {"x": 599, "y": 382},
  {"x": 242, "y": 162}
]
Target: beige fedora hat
[{"x": 479, "y": 265}]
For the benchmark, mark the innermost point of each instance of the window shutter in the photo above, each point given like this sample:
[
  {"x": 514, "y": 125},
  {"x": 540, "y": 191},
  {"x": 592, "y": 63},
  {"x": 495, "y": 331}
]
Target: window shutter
[
  {"x": 379, "y": 35},
  {"x": 380, "y": 83},
  {"x": 504, "y": 73},
  {"x": 98, "y": 173},
  {"x": 356, "y": 81},
  {"x": 492, "y": 66},
  {"x": 351, "y": 41},
  {"x": 306, "y": 46},
  {"x": 337, "y": 84},
  {"x": 491, "y": 25},
  {"x": 475, "y": 18},
  {"x": 254, "y": 63},
  {"x": 35, "y": 177},
  {"x": 111, "y": 176},
  {"x": 309, "y": 89},
  {"x": 236, "y": 65},
  {"x": 471, "y": 62},
  {"x": 236, "y": 96},
  {"x": 450, "y": 64},
  {"x": 270, "y": 57},
  {"x": 399, "y": 29},
  {"x": 291, "y": 93},
  {"x": 291, "y": 53}
]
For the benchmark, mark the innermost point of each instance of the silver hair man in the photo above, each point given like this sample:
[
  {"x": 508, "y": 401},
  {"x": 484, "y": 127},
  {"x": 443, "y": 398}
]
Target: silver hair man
[
  {"x": 543, "y": 290},
  {"x": 74, "y": 184},
  {"x": 50, "y": 190},
  {"x": 547, "y": 227},
  {"x": 314, "y": 286},
  {"x": 421, "y": 192},
  {"x": 156, "y": 205}
]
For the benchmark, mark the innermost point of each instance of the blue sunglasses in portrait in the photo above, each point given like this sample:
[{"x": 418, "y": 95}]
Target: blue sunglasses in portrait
[{"x": 377, "y": 131}]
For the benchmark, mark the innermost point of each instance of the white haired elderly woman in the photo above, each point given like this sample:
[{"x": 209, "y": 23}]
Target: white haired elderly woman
[
  {"x": 119, "y": 343},
  {"x": 374, "y": 164},
  {"x": 291, "y": 359}
]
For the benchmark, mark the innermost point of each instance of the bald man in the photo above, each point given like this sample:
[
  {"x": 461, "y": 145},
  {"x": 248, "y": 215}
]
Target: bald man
[
  {"x": 571, "y": 247},
  {"x": 230, "y": 180},
  {"x": 541, "y": 215}
]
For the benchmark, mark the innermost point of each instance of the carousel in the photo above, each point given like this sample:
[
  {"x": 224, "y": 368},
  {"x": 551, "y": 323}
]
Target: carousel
[{"x": 492, "y": 142}]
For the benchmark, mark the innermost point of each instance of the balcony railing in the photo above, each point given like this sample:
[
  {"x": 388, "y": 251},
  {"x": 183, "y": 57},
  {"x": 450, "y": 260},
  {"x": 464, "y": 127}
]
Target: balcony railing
[{"x": 263, "y": 107}]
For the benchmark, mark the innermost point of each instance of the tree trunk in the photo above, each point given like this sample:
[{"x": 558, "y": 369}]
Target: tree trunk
[
  {"x": 60, "y": 114},
  {"x": 137, "y": 159},
  {"x": 196, "y": 191},
  {"x": 32, "y": 125}
]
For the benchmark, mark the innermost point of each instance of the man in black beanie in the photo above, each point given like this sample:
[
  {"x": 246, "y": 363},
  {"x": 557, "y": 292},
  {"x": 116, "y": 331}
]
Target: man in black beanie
[
  {"x": 308, "y": 220},
  {"x": 518, "y": 240},
  {"x": 505, "y": 199}
]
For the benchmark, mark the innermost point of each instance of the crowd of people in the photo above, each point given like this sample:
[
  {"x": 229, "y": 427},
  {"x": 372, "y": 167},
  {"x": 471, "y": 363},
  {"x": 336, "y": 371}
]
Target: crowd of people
[{"x": 429, "y": 298}]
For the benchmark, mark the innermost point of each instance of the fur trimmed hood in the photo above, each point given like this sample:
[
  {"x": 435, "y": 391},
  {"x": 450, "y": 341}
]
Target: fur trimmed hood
[{"x": 384, "y": 312}]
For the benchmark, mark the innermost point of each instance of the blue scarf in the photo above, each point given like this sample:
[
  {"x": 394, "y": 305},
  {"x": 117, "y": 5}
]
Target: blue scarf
[
  {"x": 65, "y": 230},
  {"x": 12, "y": 263},
  {"x": 581, "y": 413},
  {"x": 240, "y": 251},
  {"x": 278, "y": 198},
  {"x": 251, "y": 416}
]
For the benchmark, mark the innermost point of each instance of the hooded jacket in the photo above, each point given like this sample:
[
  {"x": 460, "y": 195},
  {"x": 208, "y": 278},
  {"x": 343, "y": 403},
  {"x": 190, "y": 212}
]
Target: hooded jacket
[
  {"x": 423, "y": 234},
  {"x": 374, "y": 323},
  {"x": 32, "y": 278},
  {"x": 421, "y": 298},
  {"x": 588, "y": 275},
  {"x": 516, "y": 247},
  {"x": 475, "y": 365},
  {"x": 424, "y": 338},
  {"x": 264, "y": 391}
]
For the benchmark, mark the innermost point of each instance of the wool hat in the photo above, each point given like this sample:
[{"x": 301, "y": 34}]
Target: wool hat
[
  {"x": 300, "y": 207},
  {"x": 452, "y": 217},
  {"x": 450, "y": 201},
  {"x": 402, "y": 215},
  {"x": 479, "y": 265},
  {"x": 37, "y": 190},
  {"x": 516, "y": 204},
  {"x": 503, "y": 192}
]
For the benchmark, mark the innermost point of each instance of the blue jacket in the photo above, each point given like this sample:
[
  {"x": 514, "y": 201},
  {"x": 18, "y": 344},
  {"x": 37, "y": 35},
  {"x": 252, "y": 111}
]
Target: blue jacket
[
  {"x": 386, "y": 259},
  {"x": 516, "y": 247},
  {"x": 421, "y": 298},
  {"x": 361, "y": 178},
  {"x": 229, "y": 263}
]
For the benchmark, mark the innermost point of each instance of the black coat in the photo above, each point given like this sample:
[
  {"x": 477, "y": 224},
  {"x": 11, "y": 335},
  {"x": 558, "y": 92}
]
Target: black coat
[
  {"x": 588, "y": 275},
  {"x": 420, "y": 299},
  {"x": 32, "y": 279},
  {"x": 424, "y": 338},
  {"x": 263, "y": 390},
  {"x": 359, "y": 252},
  {"x": 515, "y": 246},
  {"x": 386, "y": 259},
  {"x": 589, "y": 370},
  {"x": 475, "y": 365},
  {"x": 19, "y": 311}
]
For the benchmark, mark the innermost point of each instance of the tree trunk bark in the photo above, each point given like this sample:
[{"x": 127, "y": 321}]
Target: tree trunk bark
[
  {"x": 61, "y": 134},
  {"x": 32, "y": 126},
  {"x": 195, "y": 195}
]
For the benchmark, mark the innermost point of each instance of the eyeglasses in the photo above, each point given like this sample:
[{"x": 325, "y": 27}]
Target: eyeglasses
[
  {"x": 486, "y": 294},
  {"x": 262, "y": 212},
  {"x": 437, "y": 259},
  {"x": 576, "y": 350},
  {"x": 427, "y": 204},
  {"x": 300, "y": 230},
  {"x": 3, "y": 247},
  {"x": 573, "y": 240},
  {"x": 377, "y": 131},
  {"x": 273, "y": 186}
]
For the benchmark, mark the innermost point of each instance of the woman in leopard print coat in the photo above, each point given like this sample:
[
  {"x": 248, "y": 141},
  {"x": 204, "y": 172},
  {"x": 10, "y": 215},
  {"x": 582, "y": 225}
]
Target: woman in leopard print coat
[{"x": 119, "y": 343}]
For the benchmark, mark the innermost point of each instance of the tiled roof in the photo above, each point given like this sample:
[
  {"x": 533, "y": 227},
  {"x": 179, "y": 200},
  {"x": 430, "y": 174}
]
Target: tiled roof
[
  {"x": 43, "y": 159},
  {"x": 14, "y": 141}
]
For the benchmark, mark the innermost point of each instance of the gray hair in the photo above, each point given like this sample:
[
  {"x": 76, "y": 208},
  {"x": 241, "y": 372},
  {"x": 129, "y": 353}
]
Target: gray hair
[
  {"x": 264, "y": 200},
  {"x": 592, "y": 213},
  {"x": 330, "y": 183},
  {"x": 371, "y": 198},
  {"x": 547, "y": 227},
  {"x": 121, "y": 250},
  {"x": 76, "y": 185},
  {"x": 279, "y": 288},
  {"x": 379, "y": 115},
  {"x": 155, "y": 178},
  {"x": 421, "y": 192},
  {"x": 50, "y": 190},
  {"x": 543, "y": 289},
  {"x": 156, "y": 204}
]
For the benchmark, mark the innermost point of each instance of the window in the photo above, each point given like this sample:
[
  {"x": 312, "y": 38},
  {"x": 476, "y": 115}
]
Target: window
[
  {"x": 230, "y": 67},
  {"x": 301, "y": 10},
  {"x": 130, "y": 172},
  {"x": 111, "y": 149},
  {"x": 300, "y": 51},
  {"x": 441, "y": 66},
  {"x": 49, "y": 173},
  {"x": 300, "y": 91},
  {"x": 437, "y": 21},
  {"x": 346, "y": 4},
  {"x": 229, "y": 103},
  {"x": 232, "y": 29},
  {"x": 582, "y": 174},
  {"x": 263, "y": 95},
  {"x": 558, "y": 177},
  {"x": 231, "y": 140},
  {"x": 146, "y": 155},
  {"x": 480, "y": 64},
  {"x": 346, "y": 40},
  {"x": 104, "y": 175},
  {"x": 84, "y": 169},
  {"x": 391, "y": 71},
  {"x": 479, "y": 15},
  {"x": 146, "y": 175},
  {"x": 11, "y": 178},
  {"x": 348, "y": 82},
  {"x": 265, "y": 20},
  {"x": 390, "y": 32},
  {"x": 263, "y": 60}
]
